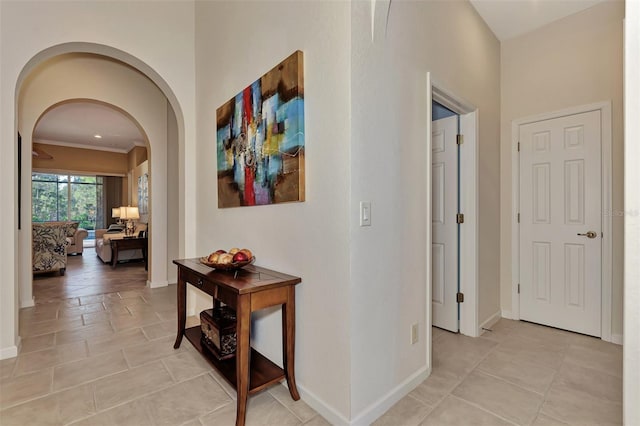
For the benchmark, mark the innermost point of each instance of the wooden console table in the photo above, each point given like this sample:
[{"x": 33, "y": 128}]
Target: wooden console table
[
  {"x": 250, "y": 289},
  {"x": 129, "y": 244}
]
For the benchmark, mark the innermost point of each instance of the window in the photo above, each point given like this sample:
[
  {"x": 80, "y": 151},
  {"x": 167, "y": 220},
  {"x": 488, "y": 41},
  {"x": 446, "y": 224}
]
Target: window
[{"x": 66, "y": 197}]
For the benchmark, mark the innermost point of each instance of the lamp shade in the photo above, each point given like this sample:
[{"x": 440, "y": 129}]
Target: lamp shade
[
  {"x": 129, "y": 213},
  {"x": 115, "y": 212}
]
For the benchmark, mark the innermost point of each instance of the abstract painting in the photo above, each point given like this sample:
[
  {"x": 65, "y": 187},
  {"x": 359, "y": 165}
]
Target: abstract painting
[{"x": 260, "y": 140}]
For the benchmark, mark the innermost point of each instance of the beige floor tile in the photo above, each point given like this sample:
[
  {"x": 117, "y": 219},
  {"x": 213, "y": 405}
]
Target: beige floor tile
[
  {"x": 519, "y": 371},
  {"x": 590, "y": 381},
  {"x": 169, "y": 314},
  {"x": 437, "y": 332},
  {"x": 43, "y": 315},
  {"x": 67, "y": 303},
  {"x": 439, "y": 384},
  {"x": 23, "y": 388},
  {"x": 406, "y": 412},
  {"x": 224, "y": 384},
  {"x": 318, "y": 420},
  {"x": 544, "y": 420},
  {"x": 459, "y": 354},
  {"x": 37, "y": 343},
  {"x": 504, "y": 399},
  {"x": 152, "y": 351},
  {"x": 579, "y": 408},
  {"x": 132, "y": 301},
  {"x": 299, "y": 408},
  {"x": 59, "y": 408},
  {"x": 39, "y": 360},
  {"x": 186, "y": 401},
  {"x": 549, "y": 335},
  {"x": 76, "y": 311},
  {"x": 536, "y": 351},
  {"x": 262, "y": 409},
  {"x": 83, "y": 333},
  {"x": 130, "y": 414},
  {"x": 46, "y": 327},
  {"x": 123, "y": 322},
  {"x": 115, "y": 341},
  {"x": 130, "y": 294},
  {"x": 606, "y": 358},
  {"x": 78, "y": 372},
  {"x": 456, "y": 412},
  {"x": 88, "y": 300},
  {"x": 97, "y": 317},
  {"x": 129, "y": 385},
  {"x": 186, "y": 365},
  {"x": 6, "y": 367},
  {"x": 500, "y": 331},
  {"x": 162, "y": 329}
]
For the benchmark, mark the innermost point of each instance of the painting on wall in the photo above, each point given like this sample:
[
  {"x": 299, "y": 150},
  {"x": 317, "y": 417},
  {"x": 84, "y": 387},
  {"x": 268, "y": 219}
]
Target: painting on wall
[
  {"x": 143, "y": 193},
  {"x": 260, "y": 140}
]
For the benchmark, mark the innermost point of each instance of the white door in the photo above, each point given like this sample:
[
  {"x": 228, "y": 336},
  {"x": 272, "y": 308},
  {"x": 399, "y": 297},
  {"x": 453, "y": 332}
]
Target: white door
[
  {"x": 444, "y": 246},
  {"x": 560, "y": 222}
]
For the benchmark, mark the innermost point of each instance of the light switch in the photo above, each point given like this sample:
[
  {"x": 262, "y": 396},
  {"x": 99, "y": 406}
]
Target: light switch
[{"x": 365, "y": 213}]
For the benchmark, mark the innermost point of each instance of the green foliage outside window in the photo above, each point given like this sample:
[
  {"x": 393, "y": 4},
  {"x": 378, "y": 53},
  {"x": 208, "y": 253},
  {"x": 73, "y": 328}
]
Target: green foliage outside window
[{"x": 66, "y": 197}]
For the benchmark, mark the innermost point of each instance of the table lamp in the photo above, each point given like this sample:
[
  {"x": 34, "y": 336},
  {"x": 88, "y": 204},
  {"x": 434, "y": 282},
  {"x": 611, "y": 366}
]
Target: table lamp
[
  {"x": 129, "y": 214},
  {"x": 115, "y": 214}
]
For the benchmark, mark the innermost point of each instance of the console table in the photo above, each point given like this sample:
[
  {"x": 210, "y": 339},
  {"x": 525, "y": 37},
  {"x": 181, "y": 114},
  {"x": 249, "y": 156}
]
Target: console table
[
  {"x": 129, "y": 244},
  {"x": 246, "y": 290}
]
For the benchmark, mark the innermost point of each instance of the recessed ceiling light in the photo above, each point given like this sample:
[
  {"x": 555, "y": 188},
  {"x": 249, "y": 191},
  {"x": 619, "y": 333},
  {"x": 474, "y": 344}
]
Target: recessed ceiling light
[{"x": 97, "y": 136}]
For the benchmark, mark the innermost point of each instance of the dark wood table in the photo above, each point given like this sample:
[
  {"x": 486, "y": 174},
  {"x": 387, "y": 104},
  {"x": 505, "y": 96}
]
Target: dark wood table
[
  {"x": 129, "y": 244},
  {"x": 247, "y": 290}
]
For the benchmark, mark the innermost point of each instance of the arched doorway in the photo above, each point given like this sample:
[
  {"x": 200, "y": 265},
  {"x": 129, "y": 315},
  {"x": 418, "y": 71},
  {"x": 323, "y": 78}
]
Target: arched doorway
[{"x": 86, "y": 71}]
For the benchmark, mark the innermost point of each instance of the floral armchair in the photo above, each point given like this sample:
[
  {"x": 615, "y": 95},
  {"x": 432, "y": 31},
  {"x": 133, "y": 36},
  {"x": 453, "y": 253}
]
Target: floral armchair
[{"x": 49, "y": 247}]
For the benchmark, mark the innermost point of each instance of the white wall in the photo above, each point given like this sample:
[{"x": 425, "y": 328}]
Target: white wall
[
  {"x": 631, "y": 350},
  {"x": 153, "y": 36},
  {"x": 388, "y": 167},
  {"x": 237, "y": 42},
  {"x": 573, "y": 61},
  {"x": 81, "y": 76}
]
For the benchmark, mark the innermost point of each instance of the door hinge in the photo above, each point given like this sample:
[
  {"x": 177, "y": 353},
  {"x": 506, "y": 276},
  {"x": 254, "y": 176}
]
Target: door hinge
[
  {"x": 518, "y": 146},
  {"x": 459, "y": 139},
  {"x": 459, "y": 297},
  {"x": 518, "y": 288},
  {"x": 459, "y": 218},
  {"x": 518, "y": 217}
]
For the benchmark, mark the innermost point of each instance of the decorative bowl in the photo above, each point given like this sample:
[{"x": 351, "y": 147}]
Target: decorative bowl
[{"x": 227, "y": 266}]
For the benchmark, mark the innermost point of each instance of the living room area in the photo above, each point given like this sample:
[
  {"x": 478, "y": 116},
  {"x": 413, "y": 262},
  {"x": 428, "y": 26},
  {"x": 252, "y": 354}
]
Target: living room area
[{"x": 89, "y": 189}]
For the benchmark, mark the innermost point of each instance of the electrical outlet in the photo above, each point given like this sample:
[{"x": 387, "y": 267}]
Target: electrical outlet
[{"x": 414, "y": 334}]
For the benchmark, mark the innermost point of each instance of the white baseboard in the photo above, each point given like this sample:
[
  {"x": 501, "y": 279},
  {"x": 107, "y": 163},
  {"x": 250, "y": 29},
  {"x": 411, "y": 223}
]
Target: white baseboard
[
  {"x": 28, "y": 303},
  {"x": 617, "y": 339},
  {"x": 156, "y": 284},
  {"x": 378, "y": 408},
  {"x": 507, "y": 314},
  {"x": 321, "y": 407},
  {"x": 10, "y": 352},
  {"x": 371, "y": 413},
  {"x": 489, "y": 322}
]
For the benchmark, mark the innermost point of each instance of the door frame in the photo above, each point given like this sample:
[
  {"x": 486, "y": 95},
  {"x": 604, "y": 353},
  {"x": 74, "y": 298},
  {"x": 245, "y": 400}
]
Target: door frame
[
  {"x": 468, "y": 115},
  {"x": 607, "y": 206}
]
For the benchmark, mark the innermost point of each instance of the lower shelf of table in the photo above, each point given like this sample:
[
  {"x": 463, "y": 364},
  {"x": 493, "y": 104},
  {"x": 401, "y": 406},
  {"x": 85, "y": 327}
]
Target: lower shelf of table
[{"x": 263, "y": 371}]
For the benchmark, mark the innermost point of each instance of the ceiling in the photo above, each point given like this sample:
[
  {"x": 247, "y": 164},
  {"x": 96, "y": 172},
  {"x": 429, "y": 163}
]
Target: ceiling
[
  {"x": 77, "y": 123},
  {"x": 511, "y": 18}
]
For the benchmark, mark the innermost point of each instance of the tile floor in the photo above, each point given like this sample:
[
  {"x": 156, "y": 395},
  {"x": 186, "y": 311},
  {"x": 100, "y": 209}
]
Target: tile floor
[
  {"x": 518, "y": 374},
  {"x": 108, "y": 359}
]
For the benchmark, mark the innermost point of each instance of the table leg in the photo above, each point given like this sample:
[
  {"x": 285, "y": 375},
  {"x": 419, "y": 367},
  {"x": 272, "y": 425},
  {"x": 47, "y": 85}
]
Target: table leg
[
  {"x": 289, "y": 341},
  {"x": 243, "y": 355},
  {"x": 182, "y": 309},
  {"x": 114, "y": 255}
]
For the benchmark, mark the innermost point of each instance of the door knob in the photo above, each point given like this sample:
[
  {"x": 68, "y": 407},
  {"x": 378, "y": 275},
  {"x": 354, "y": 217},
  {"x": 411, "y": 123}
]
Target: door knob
[{"x": 589, "y": 234}]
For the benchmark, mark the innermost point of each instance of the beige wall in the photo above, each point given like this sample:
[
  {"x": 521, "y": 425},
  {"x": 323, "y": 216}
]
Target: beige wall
[
  {"x": 309, "y": 239},
  {"x": 79, "y": 160},
  {"x": 136, "y": 156},
  {"x": 389, "y": 260},
  {"x": 573, "y": 61}
]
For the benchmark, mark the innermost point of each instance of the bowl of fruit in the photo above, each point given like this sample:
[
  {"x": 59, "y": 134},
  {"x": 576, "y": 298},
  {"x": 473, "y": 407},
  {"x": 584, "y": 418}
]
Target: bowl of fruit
[{"x": 229, "y": 261}]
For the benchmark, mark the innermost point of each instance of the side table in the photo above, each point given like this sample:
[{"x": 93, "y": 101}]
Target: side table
[
  {"x": 129, "y": 244},
  {"x": 250, "y": 289}
]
